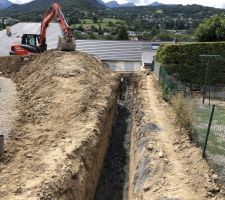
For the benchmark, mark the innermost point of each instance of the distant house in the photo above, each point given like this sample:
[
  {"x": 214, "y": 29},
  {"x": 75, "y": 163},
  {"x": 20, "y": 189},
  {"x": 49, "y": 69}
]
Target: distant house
[
  {"x": 106, "y": 34},
  {"x": 132, "y": 36},
  {"x": 8, "y": 20}
]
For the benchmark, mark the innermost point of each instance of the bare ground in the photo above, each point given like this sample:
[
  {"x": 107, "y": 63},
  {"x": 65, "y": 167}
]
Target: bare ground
[
  {"x": 169, "y": 165},
  {"x": 57, "y": 145}
]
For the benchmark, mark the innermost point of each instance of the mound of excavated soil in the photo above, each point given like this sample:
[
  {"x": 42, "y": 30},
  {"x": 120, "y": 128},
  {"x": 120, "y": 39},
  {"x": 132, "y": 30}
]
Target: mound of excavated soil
[{"x": 57, "y": 146}]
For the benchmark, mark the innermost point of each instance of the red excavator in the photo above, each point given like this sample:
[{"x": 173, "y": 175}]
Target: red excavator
[{"x": 36, "y": 43}]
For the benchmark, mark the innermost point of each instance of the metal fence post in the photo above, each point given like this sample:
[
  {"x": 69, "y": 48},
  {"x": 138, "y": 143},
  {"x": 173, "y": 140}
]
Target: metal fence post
[
  {"x": 205, "y": 84},
  {"x": 164, "y": 78},
  {"x": 208, "y": 131},
  {"x": 206, "y": 74},
  {"x": 1, "y": 146}
]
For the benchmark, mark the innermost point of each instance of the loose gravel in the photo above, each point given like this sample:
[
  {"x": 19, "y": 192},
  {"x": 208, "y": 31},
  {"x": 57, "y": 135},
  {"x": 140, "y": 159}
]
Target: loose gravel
[{"x": 8, "y": 99}]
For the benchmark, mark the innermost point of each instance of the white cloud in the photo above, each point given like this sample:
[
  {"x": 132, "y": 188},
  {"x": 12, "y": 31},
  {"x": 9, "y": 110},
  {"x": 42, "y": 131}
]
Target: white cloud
[
  {"x": 20, "y": 1},
  {"x": 214, "y": 3}
]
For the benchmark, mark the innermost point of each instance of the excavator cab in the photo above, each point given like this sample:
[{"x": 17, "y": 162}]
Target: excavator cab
[
  {"x": 32, "y": 41},
  {"x": 29, "y": 45}
]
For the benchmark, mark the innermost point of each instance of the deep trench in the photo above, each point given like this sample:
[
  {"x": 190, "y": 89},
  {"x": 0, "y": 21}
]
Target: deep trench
[{"x": 113, "y": 183}]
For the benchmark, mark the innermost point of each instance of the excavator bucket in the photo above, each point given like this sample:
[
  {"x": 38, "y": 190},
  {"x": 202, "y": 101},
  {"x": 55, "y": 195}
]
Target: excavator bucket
[{"x": 64, "y": 45}]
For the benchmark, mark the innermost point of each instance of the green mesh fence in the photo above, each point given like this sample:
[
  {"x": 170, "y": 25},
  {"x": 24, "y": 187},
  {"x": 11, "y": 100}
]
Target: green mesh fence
[
  {"x": 215, "y": 148},
  {"x": 169, "y": 85},
  {"x": 202, "y": 116}
]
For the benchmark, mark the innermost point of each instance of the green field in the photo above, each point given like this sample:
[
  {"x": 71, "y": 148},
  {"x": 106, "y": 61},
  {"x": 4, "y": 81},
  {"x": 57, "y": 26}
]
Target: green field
[{"x": 87, "y": 23}]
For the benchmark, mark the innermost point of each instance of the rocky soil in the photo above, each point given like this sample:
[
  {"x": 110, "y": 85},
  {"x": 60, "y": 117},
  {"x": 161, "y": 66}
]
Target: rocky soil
[{"x": 8, "y": 102}]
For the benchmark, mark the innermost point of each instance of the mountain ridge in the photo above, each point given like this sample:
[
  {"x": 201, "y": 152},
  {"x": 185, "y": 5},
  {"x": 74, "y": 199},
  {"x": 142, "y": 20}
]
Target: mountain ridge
[
  {"x": 39, "y": 5},
  {"x": 115, "y": 4},
  {"x": 4, "y": 4},
  {"x": 156, "y": 3}
]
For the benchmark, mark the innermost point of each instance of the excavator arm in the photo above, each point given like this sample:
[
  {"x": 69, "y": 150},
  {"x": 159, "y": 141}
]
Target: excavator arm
[{"x": 66, "y": 43}]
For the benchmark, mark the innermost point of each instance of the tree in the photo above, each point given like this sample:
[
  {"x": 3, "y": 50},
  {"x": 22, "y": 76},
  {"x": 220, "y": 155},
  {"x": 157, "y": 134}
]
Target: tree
[
  {"x": 95, "y": 19},
  {"x": 110, "y": 24},
  {"x": 122, "y": 33},
  {"x": 100, "y": 31},
  {"x": 93, "y": 28},
  {"x": 92, "y": 36},
  {"x": 80, "y": 28},
  {"x": 212, "y": 29}
]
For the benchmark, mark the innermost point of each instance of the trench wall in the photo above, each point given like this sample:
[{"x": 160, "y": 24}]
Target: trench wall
[{"x": 81, "y": 183}]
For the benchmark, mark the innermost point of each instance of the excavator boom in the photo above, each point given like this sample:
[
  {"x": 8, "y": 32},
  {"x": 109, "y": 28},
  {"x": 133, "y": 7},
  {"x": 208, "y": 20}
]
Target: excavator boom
[
  {"x": 66, "y": 43},
  {"x": 33, "y": 43}
]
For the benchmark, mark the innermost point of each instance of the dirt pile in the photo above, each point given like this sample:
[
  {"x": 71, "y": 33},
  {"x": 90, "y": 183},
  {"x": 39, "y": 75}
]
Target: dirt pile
[
  {"x": 10, "y": 65},
  {"x": 56, "y": 149}
]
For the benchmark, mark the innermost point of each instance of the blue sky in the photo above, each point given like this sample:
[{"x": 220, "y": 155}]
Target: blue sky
[{"x": 214, "y": 3}]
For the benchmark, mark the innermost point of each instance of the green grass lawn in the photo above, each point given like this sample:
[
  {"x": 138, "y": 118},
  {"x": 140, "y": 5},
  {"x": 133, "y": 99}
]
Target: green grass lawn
[
  {"x": 215, "y": 150},
  {"x": 216, "y": 142}
]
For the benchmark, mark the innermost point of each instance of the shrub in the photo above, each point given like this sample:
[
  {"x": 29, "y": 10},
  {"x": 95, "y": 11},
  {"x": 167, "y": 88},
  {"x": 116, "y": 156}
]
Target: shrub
[
  {"x": 166, "y": 93},
  {"x": 184, "y": 109},
  {"x": 184, "y": 60}
]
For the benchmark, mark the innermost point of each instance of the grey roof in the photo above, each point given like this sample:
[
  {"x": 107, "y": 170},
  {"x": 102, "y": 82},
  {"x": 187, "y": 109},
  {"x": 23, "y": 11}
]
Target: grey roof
[{"x": 112, "y": 50}]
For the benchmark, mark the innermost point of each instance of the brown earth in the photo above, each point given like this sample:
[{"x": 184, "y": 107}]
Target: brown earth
[
  {"x": 67, "y": 103},
  {"x": 66, "y": 109},
  {"x": 165, "y": 165}
]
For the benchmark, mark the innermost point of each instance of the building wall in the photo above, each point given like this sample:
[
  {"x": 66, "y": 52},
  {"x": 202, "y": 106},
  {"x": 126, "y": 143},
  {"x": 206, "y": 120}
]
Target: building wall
[{"x": 124, "y": 66}]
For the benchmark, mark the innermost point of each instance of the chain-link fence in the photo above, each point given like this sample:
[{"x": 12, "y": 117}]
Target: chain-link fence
[
  {"x": 169, "y": 85},
  {"x": 209, "y": 127}
]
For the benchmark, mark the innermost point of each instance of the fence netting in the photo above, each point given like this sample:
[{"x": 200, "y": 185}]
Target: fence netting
[
  {"x": 215, "y": 147},
  {"x": 169, "y": 83}
]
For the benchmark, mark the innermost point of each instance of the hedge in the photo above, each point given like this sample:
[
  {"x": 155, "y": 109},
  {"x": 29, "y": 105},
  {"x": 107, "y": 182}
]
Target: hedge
[{"x": 184, "y": 62}]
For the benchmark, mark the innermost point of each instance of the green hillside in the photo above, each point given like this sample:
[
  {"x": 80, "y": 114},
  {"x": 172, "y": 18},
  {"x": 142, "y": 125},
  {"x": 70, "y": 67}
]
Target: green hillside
[{"x": 34, "y": 10}]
